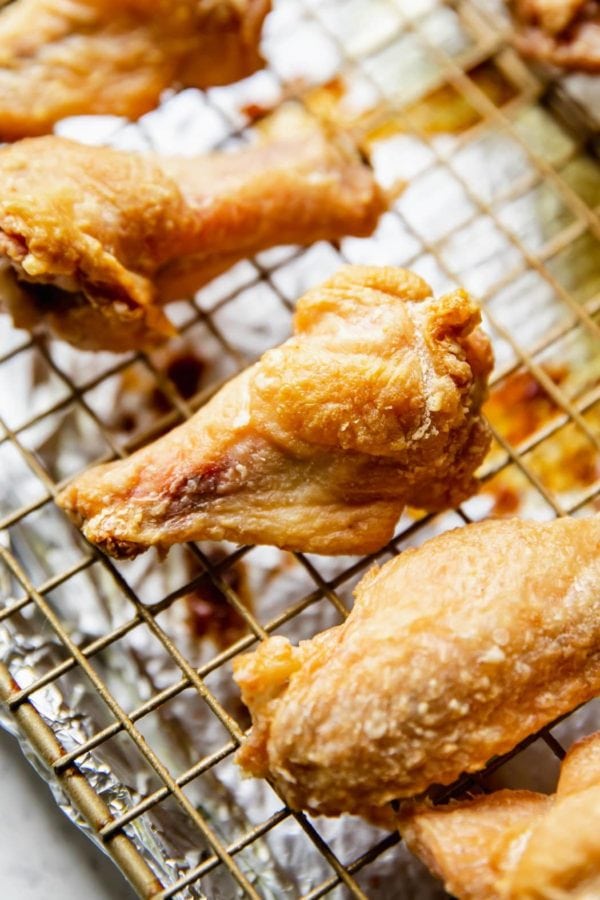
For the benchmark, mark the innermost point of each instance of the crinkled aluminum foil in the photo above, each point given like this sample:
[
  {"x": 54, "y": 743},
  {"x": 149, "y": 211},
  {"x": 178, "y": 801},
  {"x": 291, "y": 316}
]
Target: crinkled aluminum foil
[{"x": 283, "y": 862}]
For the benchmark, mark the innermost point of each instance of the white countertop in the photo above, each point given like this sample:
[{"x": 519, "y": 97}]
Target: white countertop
[{"x": 43, "y": 856}]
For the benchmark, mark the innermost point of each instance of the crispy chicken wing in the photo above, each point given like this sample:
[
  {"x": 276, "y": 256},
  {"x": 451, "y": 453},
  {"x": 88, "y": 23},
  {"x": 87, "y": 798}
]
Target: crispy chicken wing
[
  {"x": 470, "y": 845},
  {"x": 565, "y": 33},
  {"x": 453, "y": 653},
  {"x": 517, "y": 845},
  {"x": 553, "y": 16},
  {"x": 372, "y": 405},
  {"x": 70, "y": 57},
  {"x": 93, "y": 240}
]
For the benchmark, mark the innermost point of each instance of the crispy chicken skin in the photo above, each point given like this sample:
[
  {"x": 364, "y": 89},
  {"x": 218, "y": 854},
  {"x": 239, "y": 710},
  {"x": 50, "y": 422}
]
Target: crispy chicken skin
[
  {"x": 517, "y": 845},
  {"x": 70, "y": 57},
  {"x": 565, "y": 33},
  {"x": 94, "y": 240},
  {"x": 453, "y": 653},
  {"x": 372, "y": 405}
]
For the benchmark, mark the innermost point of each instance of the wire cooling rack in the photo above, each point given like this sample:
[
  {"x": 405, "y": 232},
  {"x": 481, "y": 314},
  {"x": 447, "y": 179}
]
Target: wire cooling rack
[{"x": 503, "y": 198}]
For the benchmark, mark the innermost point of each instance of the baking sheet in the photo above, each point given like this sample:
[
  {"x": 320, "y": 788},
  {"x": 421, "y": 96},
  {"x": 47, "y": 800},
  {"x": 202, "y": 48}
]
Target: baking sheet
[{"x": 472, "y": 189}]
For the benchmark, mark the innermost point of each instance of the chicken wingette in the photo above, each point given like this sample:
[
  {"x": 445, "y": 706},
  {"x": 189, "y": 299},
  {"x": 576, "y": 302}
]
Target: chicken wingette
[
  {"x": 77, "y": 57},
  {"x": 93, "y": 241},
  {"x": 452, "y": 654},
  {"x": 374, "y": 404},
  {"x": 517, "y": 845}
]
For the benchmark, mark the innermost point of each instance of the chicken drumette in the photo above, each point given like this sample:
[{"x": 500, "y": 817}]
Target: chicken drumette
[
  {"x": 565, "y": 33},
  {"x": 374, "y": 404},
  {"x": 518, "y": 845},
  {"x": 70, "y": 57},
  {"x": 94, "y": 240},
  {"x": 452, "y": 654}
]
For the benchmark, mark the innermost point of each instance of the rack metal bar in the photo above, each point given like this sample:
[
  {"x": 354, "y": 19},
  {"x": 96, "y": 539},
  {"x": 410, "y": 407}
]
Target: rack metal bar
[
  {"x": 84, "y": 798},
  {"x": 129, "y": 727}
]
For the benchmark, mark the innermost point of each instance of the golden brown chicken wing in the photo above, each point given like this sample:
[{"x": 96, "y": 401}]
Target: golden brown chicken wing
[
  {"x": 565, "y": 33},
  {"x": 374, "y": 404},
  {"x": 70, "y": 57},
  {"x": 453, "y": 653},
  {"x": 470, "y": 844},
  {"x": 553, "y": 16},
  {"x": 517, "y": 845},
  {"x": 93, "y": 240}
]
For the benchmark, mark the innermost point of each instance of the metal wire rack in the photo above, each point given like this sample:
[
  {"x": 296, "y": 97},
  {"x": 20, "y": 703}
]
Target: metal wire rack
[{"x": 448, "y": 46}]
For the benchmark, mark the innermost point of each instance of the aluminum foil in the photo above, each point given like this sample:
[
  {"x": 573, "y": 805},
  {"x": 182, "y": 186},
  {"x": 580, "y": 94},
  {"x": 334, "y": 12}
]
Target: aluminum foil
[{"x": 303, "y": 45}]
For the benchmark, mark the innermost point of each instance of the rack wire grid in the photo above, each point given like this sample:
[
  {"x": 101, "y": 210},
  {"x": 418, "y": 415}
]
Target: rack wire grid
[{"x": 406, "y": 59}]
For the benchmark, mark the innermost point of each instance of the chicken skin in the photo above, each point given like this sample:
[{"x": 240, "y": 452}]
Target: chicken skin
[
  {"x": 564, "y": 33},
  {"x": 94, "y": 240},
  {"x": 71, "y": 57},
  {"x": 452, "y": 654},
  {"x": 517, "y": 845},
  {"x": 372, "y": 405}
]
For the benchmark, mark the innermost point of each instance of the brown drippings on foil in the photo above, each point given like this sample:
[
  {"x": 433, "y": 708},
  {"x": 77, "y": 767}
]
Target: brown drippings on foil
[
  {"x": 566, "y": 461},
  {"x": 443, "y": 111},
  {"x": 255, "y": 111},
  {"x": 210, "y": 615},
  {"x": 185, "y": 371},
  {"x": 140, "y": 397},
  {"x": 507, "y": 500},
  {"x": 446, "y": 110},
  {"x": 519, "y": 406}
]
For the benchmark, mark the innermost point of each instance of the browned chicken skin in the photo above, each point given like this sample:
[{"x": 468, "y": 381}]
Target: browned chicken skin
[
  {"x": 565, "y": 33},
  {"x": 518, "y": 845},
  {"x": 372, "y": 405},
  {"x": 69, "y": 57},
  {"x": 94, "y": 240},
  {"x": 452, "y": 654}
]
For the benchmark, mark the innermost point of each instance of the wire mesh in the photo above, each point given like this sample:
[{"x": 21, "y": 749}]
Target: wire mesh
[{"x": 406, "y": 59}]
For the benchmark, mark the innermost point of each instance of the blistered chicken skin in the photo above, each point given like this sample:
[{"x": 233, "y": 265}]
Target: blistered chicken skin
[
  {"x": 93, "y": 241},
  {"x": 517, "y": 845},
  {"x": 374, "y": 404},
  {"x": 452, "y": 654},
  {"x": 78, "y": 57},
  {"x": 564, "y": 33}
]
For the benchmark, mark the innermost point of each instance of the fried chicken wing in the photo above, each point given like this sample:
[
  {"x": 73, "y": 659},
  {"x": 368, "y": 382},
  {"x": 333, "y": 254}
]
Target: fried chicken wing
[
  {"x": 517, "y": 845},
  {"x": 69, "y": 57},
  {"x": 565, "y": 33},
  {"x": 453, "y": 653},
  {"x": 93, "y": 240},
  {"x": 553, "y": 16},
  {"x": 372, "y": 405},
  {"x": 470, "y": 845}
]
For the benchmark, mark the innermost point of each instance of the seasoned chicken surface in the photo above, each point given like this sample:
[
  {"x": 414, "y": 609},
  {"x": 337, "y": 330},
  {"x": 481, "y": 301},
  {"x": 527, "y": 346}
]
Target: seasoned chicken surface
[
  {"x": 517, "y": 845},
  {"x": 94, "y": 240},
  {"x": 71, "y": 57},
  {"x": 372, "y": 405},
  {"x": 565, "y": 33},
  {"x": 453, "y": 653}
]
